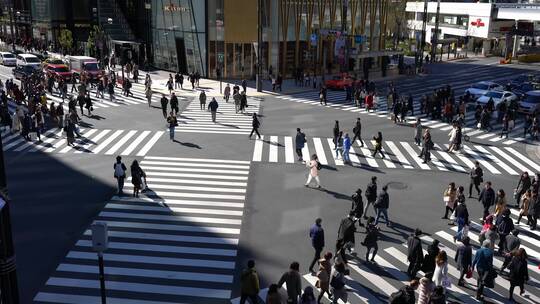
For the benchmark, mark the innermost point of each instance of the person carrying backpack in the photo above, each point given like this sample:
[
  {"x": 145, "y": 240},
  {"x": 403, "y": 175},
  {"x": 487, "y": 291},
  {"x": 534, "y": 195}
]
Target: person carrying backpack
[
  {"x": 120, "y": 174},
  {"x": 405, "y": 295}
]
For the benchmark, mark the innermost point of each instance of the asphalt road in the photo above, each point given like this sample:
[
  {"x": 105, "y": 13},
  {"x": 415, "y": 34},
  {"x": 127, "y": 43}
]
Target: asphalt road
[{"x": 219, "y": 198}]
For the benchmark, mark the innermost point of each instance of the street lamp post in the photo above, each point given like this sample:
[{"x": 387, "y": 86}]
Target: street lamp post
[
  {"x": 8, "y": 274},
  {"x": 435, "y": 35},
  {"x": 11, "y": 27}
]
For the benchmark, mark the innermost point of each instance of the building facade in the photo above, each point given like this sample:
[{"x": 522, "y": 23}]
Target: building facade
[
  {"x": 487, "y": 28},
  {"x": 209, "y": 35}
]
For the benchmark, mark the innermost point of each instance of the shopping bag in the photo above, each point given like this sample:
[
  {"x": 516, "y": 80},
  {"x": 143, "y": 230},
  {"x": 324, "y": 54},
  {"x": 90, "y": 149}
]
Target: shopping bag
[{"x": 469, "y": 273}]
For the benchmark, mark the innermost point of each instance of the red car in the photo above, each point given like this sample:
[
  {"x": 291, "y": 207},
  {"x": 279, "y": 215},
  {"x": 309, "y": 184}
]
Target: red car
[
  {"x": 59, "y": 71},
  {"x": 340, "y": 82}
]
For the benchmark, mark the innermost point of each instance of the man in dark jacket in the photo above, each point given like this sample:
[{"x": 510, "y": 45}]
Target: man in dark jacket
[
  {"x": 213, "y": 106},
  {"x": 174, "y": 104},
  {"x": 250, "y": 283},
  {"x": 300, "y": 141},
  {"x": 476, "y": 176},
  {"x": 382, "y": 204},
  {"x": 316, "y": 233},
  {"x": 505, "y": 225},
  {"x": 357, "y": 130},
  {"x": 487, "y": 198},
  {"x": 346, "y": 232},
  {"x": 371, "y": 194},
  {"x": 164, "y": 102},
  {"x": 415, "y": 255},
  {"x": 511, "y": 243}
]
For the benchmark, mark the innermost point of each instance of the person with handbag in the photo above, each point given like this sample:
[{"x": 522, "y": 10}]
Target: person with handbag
[
  {"x": 483, "y": 261},
  {"x": 440, "y": 275},
  {"x": 512, "y": 243},
  {"x": 463, "y": 260},
  {"x": 137, "y": 176},
  {"x": 428, "y": 263},
  {"x": 449, "y": 199}
]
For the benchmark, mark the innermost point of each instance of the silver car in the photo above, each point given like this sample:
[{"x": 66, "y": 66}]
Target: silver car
[{"x": 530, "y": 102}]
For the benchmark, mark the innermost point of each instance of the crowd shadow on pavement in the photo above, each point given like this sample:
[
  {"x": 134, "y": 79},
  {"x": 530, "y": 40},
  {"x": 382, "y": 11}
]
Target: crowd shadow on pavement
[{"x": 187, "y": 144}]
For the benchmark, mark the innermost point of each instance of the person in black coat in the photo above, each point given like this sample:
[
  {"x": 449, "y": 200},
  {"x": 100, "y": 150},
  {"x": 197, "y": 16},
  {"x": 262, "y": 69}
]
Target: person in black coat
[
  {"x": 255, "y": 124},
  {"x": 476, "y": 176},
  {"x": 518, "y": 272},
  {"x": 428, "y": 265},
  {"x": 346, "y": 232},
  {"x": 463, "y": 259},
  {"x": 415, "y": 255},
  {"x": 370, "y": 241},
  {"x": 487, "y": 198},
  {"x": 357, "y": 207},
  {"x": 371, "y": 194}
]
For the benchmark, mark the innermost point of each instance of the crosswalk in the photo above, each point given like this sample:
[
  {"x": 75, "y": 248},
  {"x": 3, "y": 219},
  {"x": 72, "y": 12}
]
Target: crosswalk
[
  {"x": 195, "y": 120},
  {"x": 375, "y": 282},
  {"x": 92, "y": 141},
  {"x": 398, "y": 155},
  {"x": 336, "y": 100},
  {"x": 119, "y": 99},
  {"x": 176, "y": 243}
]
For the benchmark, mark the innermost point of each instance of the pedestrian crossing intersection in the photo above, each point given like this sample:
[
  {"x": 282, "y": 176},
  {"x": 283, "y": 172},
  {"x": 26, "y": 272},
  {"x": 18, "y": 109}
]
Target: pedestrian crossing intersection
[
  {"x": 176, "y": 243},
  {"x": 375, "y": 282},
  {"x": 92, "y": 141},
  {"x": 195, "y": 120},
  {"x": 399, "y": 155},
  {"x": 336, "y": 100}
]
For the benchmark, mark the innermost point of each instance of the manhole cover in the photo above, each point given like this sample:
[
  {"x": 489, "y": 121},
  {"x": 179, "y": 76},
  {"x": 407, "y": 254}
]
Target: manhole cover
[{"x": 397, "y": 185}]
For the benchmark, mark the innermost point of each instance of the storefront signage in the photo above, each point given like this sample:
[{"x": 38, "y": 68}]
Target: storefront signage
[
  {"x": 174, "y": 8},
  {"x": 478, "y": 23}
]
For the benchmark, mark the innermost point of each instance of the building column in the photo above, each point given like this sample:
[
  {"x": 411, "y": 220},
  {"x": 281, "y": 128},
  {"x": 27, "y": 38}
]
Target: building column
[{"x": 486, "y": 47}]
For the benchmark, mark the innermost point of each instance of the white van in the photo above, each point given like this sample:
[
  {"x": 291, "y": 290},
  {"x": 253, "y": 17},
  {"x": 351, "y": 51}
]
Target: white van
[
  {"x": 28, "y": 59},
  {"x": 7, "y": 58}
]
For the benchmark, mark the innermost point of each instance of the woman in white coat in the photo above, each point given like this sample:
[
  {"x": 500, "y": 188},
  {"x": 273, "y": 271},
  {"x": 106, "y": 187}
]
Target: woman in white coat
[{"x": 440, "y": 275}]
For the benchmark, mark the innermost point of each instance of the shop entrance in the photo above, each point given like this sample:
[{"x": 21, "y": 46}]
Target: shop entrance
[{"x": 181, "y": 55}]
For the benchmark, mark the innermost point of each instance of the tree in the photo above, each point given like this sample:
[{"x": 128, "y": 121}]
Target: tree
[
  {"x": 65, "y": 40},
  {"x": 397, "y": 20},
  {"x": 95, "y": 43}
]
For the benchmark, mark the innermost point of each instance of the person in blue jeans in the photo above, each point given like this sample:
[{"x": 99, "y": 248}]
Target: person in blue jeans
[
  {"x": 381, "y": 205},
  {"x": 483, "y": 261},
  {"x": 346, "y": 148},
  {"x": 172, "y": 123}
]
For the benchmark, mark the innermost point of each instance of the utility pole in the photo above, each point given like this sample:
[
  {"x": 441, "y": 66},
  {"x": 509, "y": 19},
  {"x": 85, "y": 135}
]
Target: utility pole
[
  {"x": 420, "y": 50},
  {"x": 8, "y": 274},
  {"x": 258, "y": 77},
  {"x": 435, "y": 35},
  {"x": 11, "y": 26}
]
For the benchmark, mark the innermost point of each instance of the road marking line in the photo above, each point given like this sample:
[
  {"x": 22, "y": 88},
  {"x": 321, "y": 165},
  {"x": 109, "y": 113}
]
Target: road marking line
[
  {"x": 289, "y": 151},
  {"x": 257, "y": 151},
  {"x": 106, "y": 142},
  {"x": 121, "y": 142},
  {"x": 401, "y": 158},
  {"x": 414, "y": 156},
  {"x": 273, "y": 149},
  {"x": 135, "y": 143},
  {"x": 150, "y": 143},
  {"x": 496, "y": 160}
]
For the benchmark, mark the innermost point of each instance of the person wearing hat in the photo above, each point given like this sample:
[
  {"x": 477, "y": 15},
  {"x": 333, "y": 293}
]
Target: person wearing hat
[{"x": 483, "y": 261}]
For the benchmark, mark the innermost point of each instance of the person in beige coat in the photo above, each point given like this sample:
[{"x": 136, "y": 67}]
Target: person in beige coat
[{"x": 525, "y": 202}]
